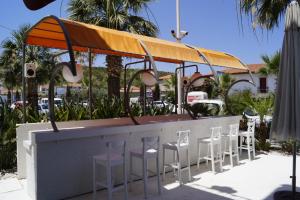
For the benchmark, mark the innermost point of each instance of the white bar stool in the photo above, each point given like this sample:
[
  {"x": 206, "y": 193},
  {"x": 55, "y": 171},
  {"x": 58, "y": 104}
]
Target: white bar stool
[
  {"x": 114, "y": 156},
  {"x": 150, "y": 150},
  {"x": 214, "y": 151},
  {"x": 250, "y": 139},
  {"x": 182, "y": 144},
  {"x": 232, "y": 139}
]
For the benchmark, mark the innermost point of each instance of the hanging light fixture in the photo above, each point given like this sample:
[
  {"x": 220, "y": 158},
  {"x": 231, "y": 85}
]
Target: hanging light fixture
[
  {"x": 196, "y": 79},
  {"x": 36, "y": 4},
  {"x": 148, "y": 78},
  {"x": 68, "y": 76},
  {"x": 195, "y": 75}
]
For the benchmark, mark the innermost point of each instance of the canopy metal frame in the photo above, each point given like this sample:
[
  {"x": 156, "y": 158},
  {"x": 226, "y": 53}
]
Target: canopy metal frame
[
  {"x": 72, "y": 65},
  {"x": 126, "y": 66}
]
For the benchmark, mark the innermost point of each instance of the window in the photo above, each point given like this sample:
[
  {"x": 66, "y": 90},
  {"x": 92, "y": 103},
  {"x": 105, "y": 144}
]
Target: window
[{"x": 263, "y": 85}]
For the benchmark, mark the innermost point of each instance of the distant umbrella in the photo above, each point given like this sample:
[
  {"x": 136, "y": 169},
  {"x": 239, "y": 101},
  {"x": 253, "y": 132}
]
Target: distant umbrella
[
  {"x": 36, "y": 4},
  {"x": 286, "y": 117}
]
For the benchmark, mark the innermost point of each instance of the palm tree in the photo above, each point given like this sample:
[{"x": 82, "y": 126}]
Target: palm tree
[
  {"x": 12, "y": 57},
  {"x": 272, "y": 64},
  {"x": 115, "y": 14},
  {"x": 10, "y": 73},
  {"x": 261, "y": 106},
  {"x": 264, "y": 13},
  {"x": 170, "y": 83},
  {"x": 225, "y": 82}
]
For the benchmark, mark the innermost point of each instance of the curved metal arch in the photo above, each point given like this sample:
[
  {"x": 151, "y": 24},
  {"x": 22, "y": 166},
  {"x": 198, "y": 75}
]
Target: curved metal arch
[
  {"x": 67, "y": 38},
  {"x": 227, "y": 92},
  {"x": 127, "y": 95},
  {"x": 250, "y": 73},
  {"x": 186, "y": 95},
  {"x": 56, "y": 69},
  {"x": 206, "y": 60},
  {"x": 151, "y": 59}
]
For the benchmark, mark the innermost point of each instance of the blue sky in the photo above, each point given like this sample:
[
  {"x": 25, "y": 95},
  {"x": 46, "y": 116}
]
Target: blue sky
[{"x": 211, "y": 24}]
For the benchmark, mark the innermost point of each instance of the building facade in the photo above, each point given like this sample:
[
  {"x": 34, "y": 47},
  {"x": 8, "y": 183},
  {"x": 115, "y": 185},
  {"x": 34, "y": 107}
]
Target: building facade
[{"x": 263, "y": 84}]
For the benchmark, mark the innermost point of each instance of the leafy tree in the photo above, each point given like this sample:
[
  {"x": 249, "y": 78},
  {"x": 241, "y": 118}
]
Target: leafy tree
[
  {"x": 262, "y": 106},
  {"x": 170, "y": 83},
  {"x": 116, "y": 14},
  {"x": 11, "y": 64},
  {"x": 264, "y": 13},
  {"x": 225, "y": 82},
  {"x": 272, "y": 64}
]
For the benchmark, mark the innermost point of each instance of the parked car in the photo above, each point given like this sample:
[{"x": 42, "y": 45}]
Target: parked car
[
  {"x": 202, "y": 97},
  {"x": 43, "y": 109},
  {"x": 159, "y": 104},
  {"x": 57, "y": 101}
]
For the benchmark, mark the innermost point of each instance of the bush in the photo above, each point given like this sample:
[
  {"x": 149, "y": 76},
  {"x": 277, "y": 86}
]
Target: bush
[
  {"x": 287, "y": 146},
  {"x": 9, "y": 119}
]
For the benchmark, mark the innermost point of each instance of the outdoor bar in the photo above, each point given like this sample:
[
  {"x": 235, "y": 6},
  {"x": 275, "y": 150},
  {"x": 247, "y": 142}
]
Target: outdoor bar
[{"x": 56, "y": 158}]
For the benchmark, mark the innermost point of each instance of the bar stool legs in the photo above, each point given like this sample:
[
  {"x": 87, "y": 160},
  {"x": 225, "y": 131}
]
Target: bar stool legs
[
  {"x": 178, "y": 147},
  {"x": 114, "y": 156},
  {"x": 150, "y": 150}
]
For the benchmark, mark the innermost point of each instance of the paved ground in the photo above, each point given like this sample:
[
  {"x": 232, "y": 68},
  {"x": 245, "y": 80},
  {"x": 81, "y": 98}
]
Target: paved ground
[{"x": 255, "y": 180}]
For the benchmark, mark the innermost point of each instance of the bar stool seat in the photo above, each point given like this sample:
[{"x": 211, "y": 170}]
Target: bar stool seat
[
  {"x": 174, "y": 146},
  {"x": 115, "y": 159},
  {"x": 206, "y": 140},
  {"x": 148, "y": 154}
]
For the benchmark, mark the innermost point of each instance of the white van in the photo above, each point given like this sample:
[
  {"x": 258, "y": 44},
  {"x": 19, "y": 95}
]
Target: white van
[
  {"x": 196, "y": 96},
  {"x": 57, "y": 101},
  {"x": 202, "y": 97}
]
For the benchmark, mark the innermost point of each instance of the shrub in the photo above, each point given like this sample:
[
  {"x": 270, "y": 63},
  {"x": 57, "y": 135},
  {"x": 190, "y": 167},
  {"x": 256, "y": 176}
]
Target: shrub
[{"x": 9, "y": 119}]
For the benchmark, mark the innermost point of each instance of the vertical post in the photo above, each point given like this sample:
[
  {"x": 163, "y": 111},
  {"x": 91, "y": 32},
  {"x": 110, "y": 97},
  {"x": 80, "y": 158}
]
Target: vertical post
[
  {"x": 24, "y": 83},
  {"x": 145, "y": 93},
  {"x": 294, "y": 170},
  {"x": 125, "y": 90},
  {"x": 90, "y": 83},
  {"x": 179, "y": 72}
]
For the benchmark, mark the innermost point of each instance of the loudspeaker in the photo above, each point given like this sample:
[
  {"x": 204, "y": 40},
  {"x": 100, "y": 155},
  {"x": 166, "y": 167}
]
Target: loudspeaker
[
  {"x": 185, "y": 81},
  {"x": 30, "y": 70}
]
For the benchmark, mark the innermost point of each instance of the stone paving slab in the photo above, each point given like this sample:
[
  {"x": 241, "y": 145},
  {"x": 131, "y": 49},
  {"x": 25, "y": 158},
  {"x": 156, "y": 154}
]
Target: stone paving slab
[{"x": 251, "y": 180}]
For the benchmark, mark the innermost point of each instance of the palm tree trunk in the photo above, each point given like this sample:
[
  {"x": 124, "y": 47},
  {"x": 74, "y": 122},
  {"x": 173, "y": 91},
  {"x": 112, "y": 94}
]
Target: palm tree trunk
[
  {"x": 68, "y": 93},
  {"x": 32, "y": 94},
  {"x": 114, "y": 67},
  {"x": 18, "y": 96},
  {"x": 9, "y": 99}
]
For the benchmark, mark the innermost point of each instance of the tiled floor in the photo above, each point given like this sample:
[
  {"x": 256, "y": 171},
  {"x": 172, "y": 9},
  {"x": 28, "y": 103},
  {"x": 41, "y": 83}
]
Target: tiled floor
[{"x": 255, "y": 180}]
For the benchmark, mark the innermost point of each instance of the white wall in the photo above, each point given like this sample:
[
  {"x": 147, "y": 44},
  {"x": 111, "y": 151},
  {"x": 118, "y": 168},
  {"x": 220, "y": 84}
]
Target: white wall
[
  {"x": 60, "y": 164},
  {"x": 23, "y": 134},
  {"x": 271, "y": 82}
]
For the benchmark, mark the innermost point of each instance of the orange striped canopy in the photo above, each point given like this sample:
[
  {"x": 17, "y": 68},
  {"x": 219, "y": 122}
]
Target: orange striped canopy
[{"x": 53, "y": 32}]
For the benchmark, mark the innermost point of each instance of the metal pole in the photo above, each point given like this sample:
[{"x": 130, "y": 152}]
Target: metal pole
[
  {"x": 90, "y": 83},
  {"x": 24, "y": 84},
  {"x": 179, "y": 91},
  {"x": 294, "y": 170},
  {"x": 124, "y": 87},
  {"x": 145, "y": 93}
]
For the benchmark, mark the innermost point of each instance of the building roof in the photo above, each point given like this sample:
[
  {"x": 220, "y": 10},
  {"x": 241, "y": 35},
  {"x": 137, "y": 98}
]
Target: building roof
[
  {"x": 166, "y": 77},
  {"x": 133, "y": 89},
  {"x": 254, "y": 68}
]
